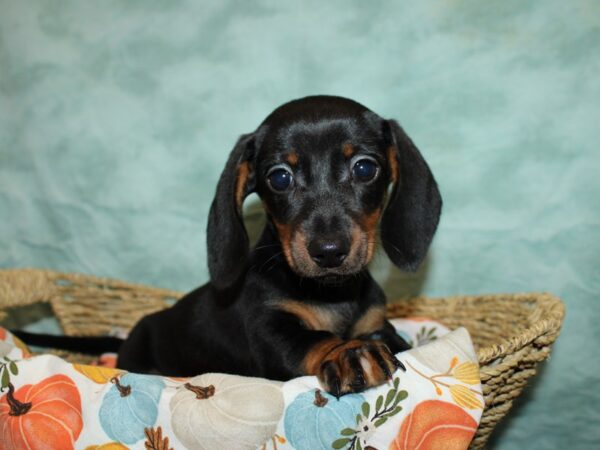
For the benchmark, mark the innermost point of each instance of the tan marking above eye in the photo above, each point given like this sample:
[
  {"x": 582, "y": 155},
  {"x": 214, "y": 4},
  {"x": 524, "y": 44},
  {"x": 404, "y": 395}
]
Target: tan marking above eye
[
  {"x": 292, "y": 158},
  {"x": 373, "y": 319},
  {"x": 348, "y": 150}
]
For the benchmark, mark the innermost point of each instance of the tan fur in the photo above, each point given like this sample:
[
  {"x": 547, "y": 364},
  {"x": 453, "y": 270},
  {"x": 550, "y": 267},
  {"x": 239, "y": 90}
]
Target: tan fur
[
  {"x": 315, "y": 356},
  {"x": 348, "y": 345},
  {"x": 393, "y": 161},
  {"x": 285, "y": 236},
  {"x": 356, "y": 241},
  {"x": 372, "y": 320},
  {"x": 369, "y": 226},
  {"x": 240, "y": 183},
  {"x": 294, "y": 246},
  {"x": 348, "y": 150},
  {"x": 313, "y": 316},
  {"x": 300, "y": 249},
  {"x": 292, "y": 158}
]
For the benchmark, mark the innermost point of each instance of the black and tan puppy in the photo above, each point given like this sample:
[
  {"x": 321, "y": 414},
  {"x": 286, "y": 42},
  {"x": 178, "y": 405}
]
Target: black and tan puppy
[{"x": 302, "y": 302}]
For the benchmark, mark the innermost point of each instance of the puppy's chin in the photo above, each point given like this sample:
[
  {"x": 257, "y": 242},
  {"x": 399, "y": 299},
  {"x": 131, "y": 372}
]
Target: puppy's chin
[{"x": 333, "y": 279}]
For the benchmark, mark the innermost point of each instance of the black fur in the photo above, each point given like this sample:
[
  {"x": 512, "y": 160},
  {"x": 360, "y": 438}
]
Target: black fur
[
  {"x": 413, "y": 213},
  {"x": 226, "y": 235}
]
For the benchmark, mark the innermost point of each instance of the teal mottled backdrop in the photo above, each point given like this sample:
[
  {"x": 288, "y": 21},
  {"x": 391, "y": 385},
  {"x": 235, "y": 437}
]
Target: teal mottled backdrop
[{"x": 116, "y": 118}]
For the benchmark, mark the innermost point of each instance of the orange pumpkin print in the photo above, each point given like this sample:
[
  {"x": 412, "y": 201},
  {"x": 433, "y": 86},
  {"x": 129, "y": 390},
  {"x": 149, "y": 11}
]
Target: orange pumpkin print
[
  {"x": 41, "y": 416},
  {"x": 435, "y": 424}
]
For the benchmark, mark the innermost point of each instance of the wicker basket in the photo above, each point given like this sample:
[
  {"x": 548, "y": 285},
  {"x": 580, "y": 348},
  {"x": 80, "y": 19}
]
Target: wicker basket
[{"x": 512, "y": 332}]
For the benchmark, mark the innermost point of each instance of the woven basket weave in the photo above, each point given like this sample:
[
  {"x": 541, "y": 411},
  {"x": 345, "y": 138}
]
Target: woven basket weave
[{"x": 512, "y": 332}]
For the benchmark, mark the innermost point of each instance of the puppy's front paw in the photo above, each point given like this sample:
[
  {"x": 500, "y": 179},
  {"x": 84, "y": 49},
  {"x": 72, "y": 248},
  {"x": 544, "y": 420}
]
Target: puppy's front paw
[{"x": 355, "y": 365}]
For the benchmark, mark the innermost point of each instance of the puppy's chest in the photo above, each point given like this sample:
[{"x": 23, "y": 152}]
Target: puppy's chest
[{"x": 344, "y": 319}]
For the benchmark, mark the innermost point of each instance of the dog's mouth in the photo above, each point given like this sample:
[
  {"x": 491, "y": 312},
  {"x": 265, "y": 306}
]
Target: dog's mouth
[
  {"x": 295, "y": 246},
  {"x": 332, "y": 279}
]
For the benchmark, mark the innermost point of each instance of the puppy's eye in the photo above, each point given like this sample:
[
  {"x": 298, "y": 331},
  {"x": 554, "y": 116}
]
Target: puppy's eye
[
  {"x": 365, "y": 169},
  {"x": 280, "y": 179}
]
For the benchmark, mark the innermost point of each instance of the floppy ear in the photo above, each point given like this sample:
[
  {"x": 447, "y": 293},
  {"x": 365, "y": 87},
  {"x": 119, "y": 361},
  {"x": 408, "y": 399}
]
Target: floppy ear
[
  {"x": 227, "y": 240},
  {"x": 413, "y": 211}
]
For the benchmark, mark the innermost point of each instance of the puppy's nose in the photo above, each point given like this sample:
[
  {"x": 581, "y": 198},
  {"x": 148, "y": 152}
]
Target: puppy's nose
[{"x": 328, "y": 253}]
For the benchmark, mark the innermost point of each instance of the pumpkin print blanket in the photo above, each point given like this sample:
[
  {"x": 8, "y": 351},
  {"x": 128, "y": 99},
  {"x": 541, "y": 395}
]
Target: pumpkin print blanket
[{"x": 48, "y": 403}]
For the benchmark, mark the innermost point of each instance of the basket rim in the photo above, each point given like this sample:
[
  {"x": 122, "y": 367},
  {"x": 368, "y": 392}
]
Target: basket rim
[
  {"x": 553, "y": 313},
  {"x": 44, "y": 284}
]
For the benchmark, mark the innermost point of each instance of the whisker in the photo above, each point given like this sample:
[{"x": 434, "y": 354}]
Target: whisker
[
  {"x": 271, "y": 267},
  {"x": 266, "y": 246},
  {"x": 272, "y": 257},
  {"x": 392, "y": 245}
]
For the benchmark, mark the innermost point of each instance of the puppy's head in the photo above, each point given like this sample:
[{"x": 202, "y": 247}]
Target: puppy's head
[{"x": 322, "y": 167}]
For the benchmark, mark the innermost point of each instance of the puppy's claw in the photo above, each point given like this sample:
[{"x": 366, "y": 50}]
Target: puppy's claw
[
  {"x": 330, "y": 379},
  {"x": 381, "y": 362},
  {"x": 336, "y": 389},
  {"x": 399, "y": 364}
]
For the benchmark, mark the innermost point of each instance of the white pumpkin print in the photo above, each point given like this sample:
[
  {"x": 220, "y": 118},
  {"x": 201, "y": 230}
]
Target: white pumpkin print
[{"x": 226, "y": 411}]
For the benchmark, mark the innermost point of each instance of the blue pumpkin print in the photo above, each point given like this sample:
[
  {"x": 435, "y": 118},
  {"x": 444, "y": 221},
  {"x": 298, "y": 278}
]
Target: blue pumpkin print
[
  {"x": 312, "y": 427},
  {"x": 129, "y": 406}
]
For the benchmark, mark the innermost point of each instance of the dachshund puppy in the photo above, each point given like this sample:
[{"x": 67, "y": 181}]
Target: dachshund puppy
[{"x": 302, "y": 302}]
